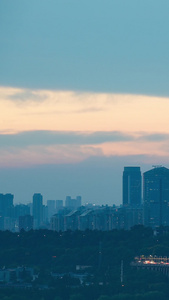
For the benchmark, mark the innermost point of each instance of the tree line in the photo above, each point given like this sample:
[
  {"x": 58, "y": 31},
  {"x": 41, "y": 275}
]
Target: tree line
[{"x": 51, "y": 252}]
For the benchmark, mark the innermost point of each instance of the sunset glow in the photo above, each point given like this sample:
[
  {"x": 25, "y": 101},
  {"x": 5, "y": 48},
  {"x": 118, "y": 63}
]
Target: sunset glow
[
  {"x": 135, "y": 117},
  {"x": 22, "y": 110}
]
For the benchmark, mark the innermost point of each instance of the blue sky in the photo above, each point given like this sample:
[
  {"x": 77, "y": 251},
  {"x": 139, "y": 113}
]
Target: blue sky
[
  {"x": 111, "y": 46},
  {"x": 83, "y": 90}
]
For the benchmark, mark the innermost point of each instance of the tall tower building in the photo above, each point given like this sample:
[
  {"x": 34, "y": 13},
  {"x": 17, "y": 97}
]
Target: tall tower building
[
  {"x": 132, "y": 186},
  {"x": 37, "y": 210},
  {"x": 156, "y": 196}
]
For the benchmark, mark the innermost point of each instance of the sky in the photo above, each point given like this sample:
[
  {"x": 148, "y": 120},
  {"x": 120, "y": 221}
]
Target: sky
[{"x": 84, "y": 91}]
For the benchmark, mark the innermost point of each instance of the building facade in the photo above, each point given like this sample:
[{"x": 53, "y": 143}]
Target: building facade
[
  {"x": 156, "y": 197},
  {"x": 132, "y": 186}
]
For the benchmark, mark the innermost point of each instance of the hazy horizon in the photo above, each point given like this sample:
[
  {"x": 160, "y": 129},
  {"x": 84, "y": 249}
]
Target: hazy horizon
[{"x": 98, "y": 182}]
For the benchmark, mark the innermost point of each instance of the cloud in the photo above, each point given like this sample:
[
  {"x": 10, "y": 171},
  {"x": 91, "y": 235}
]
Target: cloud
[
  {"x": 26, "y": 95},
  {"x": 31, "y": 110},
  {"x": 43, "y": 137},
  {"x": 89, "y": 110},
  {"x": 38, "y": 155},
  {"x": 155, "y": 137},
  {"x": 56, "y": 147},
  {"x": 42, "y": 155},
  {"x": 53, "y": 124},
  {"x": 46, "y": 137}
]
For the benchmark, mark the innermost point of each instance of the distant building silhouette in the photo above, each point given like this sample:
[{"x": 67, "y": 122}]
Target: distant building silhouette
[
  {"x": 156, "y": 197},
  {"x": 73, "y": 203},
  {"x": 57, "y": 222},
  {"x": 18, "y": 274},
  {"x": 21, "y": 210},
  {"x": 51, "y": 204},
  {"x": 26, "y": 222},
  {"x": 53, "y": 207},
  {"x": 37, "y": 210},
  {"x": 71, "y": 220},
  {"x": 59, "y": 205},
  {"x": 132, "y": 186},
  {"x": 9, "y": 223},
  {"x": 45, "y": 218},
  {"x": 153, "y": 212},
  {"x": 100, "y": 218},
  {"x": 6, "y": 205}
]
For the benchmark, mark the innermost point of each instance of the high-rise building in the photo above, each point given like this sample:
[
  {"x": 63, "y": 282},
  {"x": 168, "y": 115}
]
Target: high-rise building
[
  {"x": 132, "y": 186},
  {"x": 156, "y": 196},
  {"x": 37, "y": 210}
]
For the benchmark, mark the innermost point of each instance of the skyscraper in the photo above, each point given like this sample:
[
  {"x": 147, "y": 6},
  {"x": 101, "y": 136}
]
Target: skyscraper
[
  {"x": 156, "y": 196},
  {"x": 37, "y": 210},
  {"x": 132, "y": 186}
]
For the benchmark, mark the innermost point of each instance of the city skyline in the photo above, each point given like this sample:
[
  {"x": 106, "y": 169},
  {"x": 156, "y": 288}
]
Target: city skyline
[
  {"x": 132, "y": 189},
  {"x": 73, "y": 214},
  {"x": 83, "y": 92}
]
